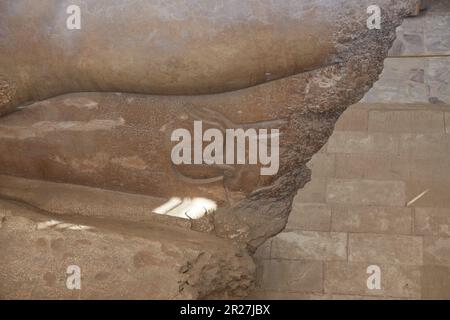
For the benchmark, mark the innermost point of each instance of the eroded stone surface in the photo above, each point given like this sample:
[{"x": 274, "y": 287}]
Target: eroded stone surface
[
  {"x": 121, "y": 142},
  {"x": 117, "y": 260}
]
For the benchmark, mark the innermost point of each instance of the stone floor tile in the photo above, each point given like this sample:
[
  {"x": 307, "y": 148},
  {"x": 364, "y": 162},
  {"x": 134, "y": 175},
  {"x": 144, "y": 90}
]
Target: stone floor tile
[
  {"x": 366, "y": 192},
  {"x": 422, "y": 145},
  {"x": 309, "y": 217},
  {"x": 432, "y": 221},
  {"x": 428, "y": 194},
  {"x": 360, "y": 142},
  {"x": 429, "y": 168},
  {"x": 437, "y": 35},
  {"x": 353, "y": 119},
  {"x": 322, "y": 165},
  {"x": 310, "y": 245},
  {"x": 276, "y": 295},
  {"x": 402, "y": 80},
  {"x": 435, "y": 282},
  {"x": 390, "y": 220},
  {"x": 385, "y": 249},
  {"x": 436, "y": 251},
  {"x": 314, "y": 191},
  {"x": 414, "y": 121},
  {"x": 297, "y": 276},
  {"x": 371, "y": 166},
  {"x": 351, "y": 278}
]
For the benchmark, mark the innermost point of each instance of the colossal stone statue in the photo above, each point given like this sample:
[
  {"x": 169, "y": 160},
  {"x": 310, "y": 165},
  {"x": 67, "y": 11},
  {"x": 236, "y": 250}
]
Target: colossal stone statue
[{"x": 94, "y": 117}]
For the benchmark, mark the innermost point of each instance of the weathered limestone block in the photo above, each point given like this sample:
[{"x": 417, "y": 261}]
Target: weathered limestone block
[
  {"x": 291, "y": 66},
  {"x": 118, "y": 260}
]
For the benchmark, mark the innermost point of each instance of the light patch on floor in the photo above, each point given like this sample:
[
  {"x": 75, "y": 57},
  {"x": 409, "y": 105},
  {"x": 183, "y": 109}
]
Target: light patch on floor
[{"x": 187, "y": 208}]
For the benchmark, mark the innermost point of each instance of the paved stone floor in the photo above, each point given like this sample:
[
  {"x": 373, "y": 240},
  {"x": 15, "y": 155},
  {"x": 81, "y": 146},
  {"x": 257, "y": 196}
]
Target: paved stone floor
[
  {"x": 380, "y": 190},
  {"x": 418, "y": 70},
  {"x": 379, "y": 195}
]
